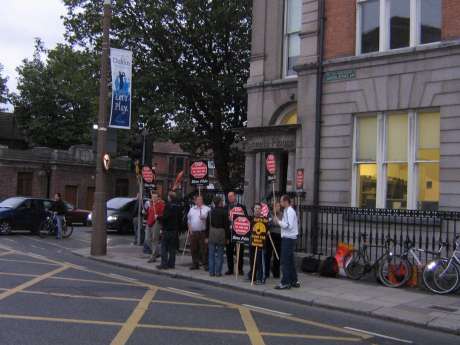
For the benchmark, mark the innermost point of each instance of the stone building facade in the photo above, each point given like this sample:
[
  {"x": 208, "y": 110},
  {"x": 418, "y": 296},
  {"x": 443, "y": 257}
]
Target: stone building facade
[{"x": 363, "y": 95}]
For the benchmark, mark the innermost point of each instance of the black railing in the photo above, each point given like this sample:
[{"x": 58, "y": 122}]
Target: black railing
[{"x": 324, "y": 227}]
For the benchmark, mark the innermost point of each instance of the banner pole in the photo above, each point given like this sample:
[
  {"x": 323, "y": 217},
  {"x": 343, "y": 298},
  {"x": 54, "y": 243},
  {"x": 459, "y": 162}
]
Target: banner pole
[
  {"x": 274, "y": 197},
  {"x": 254, "y": 267},
  {"x": 237, "y": 260},
  {"x": 273, "y": 245}
]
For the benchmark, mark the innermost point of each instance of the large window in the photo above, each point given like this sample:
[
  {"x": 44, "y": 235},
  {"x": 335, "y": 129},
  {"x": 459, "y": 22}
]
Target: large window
[
  {"x": 292, "y": 25},
  {"x": 396, "y": 160},
  {"x": 392, "y": 24}
]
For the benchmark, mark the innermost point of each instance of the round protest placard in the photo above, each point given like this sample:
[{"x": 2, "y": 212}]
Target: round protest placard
[
  {"x": 148, "y": 175},
  {"x": 241, "y": 226},
  {"x": 199, "y": 170},
  {"x": 270, "y": 164}
]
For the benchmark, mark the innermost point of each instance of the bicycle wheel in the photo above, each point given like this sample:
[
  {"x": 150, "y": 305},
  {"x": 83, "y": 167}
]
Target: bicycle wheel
[
  {"x": 44, "y": 229},
  {"x": 428, "y": 274},
  {"x": 355, "y": 265},
  {"x": 446, "y": 277},
  {"x": 67, "y": 230},
  {"x": 394, "y": 271}
]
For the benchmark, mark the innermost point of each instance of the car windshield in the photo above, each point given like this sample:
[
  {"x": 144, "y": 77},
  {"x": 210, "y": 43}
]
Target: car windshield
[
  {"x": 11, "y": 202},
  {"x": 117, "y": 203}
]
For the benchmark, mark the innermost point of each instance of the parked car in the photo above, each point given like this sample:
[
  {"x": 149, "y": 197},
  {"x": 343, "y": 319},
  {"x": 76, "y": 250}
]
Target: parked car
[
  {"x": 23, "y": 213},
  {"x": 76, "y": 215},
  {"x": 120, "y": 214}
]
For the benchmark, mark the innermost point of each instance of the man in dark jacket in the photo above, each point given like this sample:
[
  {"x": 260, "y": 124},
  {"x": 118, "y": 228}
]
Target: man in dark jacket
[
  {"x": 171, "y": 221},
  {"x": 217, "y": 237},
  {"x": 60, "y": 211}
]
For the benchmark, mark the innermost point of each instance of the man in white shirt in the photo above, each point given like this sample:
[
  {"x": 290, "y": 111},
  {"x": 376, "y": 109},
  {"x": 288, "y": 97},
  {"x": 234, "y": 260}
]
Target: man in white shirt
[
  {"x": 289, "y": 232},
  {"x": 197, "y": 224}
]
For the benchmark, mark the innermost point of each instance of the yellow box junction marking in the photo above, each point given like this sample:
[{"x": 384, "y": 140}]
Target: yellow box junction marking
[
  {"x": 253, "y": 331},
  {"x": 133, "y": 321}
]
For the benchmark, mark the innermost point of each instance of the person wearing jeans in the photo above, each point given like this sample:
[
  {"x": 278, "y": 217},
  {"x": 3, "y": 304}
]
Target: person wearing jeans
[
  {"x": 289, "y": 232},
  {"x": 197, "y": 227},
  {"x": 218, "y": 236},
  {"x": 60, "y": 210}
]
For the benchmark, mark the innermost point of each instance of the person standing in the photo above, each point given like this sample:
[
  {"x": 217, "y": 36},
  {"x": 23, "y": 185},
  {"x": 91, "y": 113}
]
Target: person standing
[
  {"x": 234, "y": 208},
  {"x": 197, "y": 222},
  {"x": 171, "y": 221},
  {"x": 289, "y": 233},
  {"x": 217, "y": 237},
  {"x": 260, "y": 272},
  {"x": 153, "y": 228},
  {"x": 275, "y": 233},
  {"x": 60, "y": 211}
]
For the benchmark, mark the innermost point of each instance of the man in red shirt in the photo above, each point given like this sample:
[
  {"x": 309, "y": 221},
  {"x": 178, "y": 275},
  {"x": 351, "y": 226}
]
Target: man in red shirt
[{"x": 153, "y": 229}]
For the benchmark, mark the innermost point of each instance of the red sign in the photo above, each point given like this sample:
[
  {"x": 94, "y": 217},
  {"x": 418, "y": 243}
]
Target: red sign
[
  {"x": 265, "y": 210},
  {"x": 236, "y": 211},
  {"x": 199, "y": 170},
  {"x": 147, "y": 174},
  {"x": 270, "y": 163},
  {"x": 241, "y": 226},
  {"x": 299, "y": 178}
]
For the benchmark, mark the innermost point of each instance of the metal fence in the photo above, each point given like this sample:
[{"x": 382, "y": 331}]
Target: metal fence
[{"x": 324, "y": 227}]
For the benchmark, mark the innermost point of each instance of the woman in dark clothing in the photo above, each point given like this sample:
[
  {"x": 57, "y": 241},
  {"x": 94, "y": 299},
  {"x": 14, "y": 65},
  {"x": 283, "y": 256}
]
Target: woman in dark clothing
[{"x": 218, "y": 237}]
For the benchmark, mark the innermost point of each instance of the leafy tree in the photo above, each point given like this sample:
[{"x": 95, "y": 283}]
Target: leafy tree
[
  {"x": 191, "y": 60},
  {"x": 3, "y": 89},
  {"x": 56, "y": 100}
]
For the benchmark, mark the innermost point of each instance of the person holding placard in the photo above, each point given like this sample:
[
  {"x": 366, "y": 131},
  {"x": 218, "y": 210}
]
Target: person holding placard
[
  {"x": 153, "y": 229},
  {"x": 275, "y": 233},
  {"x": 234, "y": 208},
  {"x": 289, "y": 233}
]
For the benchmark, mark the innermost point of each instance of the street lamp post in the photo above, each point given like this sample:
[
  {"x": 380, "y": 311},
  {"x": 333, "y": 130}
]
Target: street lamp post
[{"x": 99, "y": 235}]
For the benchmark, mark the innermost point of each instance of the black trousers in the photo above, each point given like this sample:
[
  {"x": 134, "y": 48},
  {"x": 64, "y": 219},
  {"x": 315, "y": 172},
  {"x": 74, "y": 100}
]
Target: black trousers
[
  {"x": 230, "y": 252},
  {"x": 168, "y": 249},
  {"x": 269, "y": 254}
]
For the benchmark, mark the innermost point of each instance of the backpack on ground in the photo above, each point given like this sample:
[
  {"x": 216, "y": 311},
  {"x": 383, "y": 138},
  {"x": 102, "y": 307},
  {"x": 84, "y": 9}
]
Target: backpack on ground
[
  {"x": 310, "y": 264},
  {"x": 329, "y": 268}
]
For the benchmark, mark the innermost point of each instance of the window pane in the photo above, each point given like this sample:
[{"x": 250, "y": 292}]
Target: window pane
[
  {"x": 367, "y": 185},
  {"x": 428, "y": 186},
  {"x": 396, "y": 186},
  {"x": 399, "y": 23},
  {"x": 431, "y": 21},
  {"x": 294, "y": 16},
  {"x": 370, "y": 13},
  {"x": 428, "y": 136},
  {"x": 293, "y": 52},
  {"x": 397, "y": 137},
  {"x": 367, "y": 134}
]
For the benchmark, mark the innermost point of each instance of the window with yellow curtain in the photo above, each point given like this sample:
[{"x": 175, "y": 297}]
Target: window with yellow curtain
[
  {"x": 366, "y": 158},
  {"x": 428, "y": 156}
]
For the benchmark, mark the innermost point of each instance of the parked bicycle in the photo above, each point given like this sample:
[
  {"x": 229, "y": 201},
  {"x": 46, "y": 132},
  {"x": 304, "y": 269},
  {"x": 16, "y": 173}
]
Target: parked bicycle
[
  {"x": 445, "y": 272},
  {"x": 49, "y": 227},
  {"x": 391, "y": 270}
]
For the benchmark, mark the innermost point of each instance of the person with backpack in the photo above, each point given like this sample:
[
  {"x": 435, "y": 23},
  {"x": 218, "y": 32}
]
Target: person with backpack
[
  {"x": 289, "y": 232},
  {"x": 217, "y": 237},
  {"x": 171, "y": 221}
]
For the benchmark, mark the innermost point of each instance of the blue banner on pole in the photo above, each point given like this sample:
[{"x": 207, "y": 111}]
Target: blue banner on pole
[{"x": 121, "y": 66}]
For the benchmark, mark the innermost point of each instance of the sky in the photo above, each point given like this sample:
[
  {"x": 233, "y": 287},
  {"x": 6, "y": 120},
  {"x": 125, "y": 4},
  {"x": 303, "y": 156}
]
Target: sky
[{"x": 20, "y": 22}]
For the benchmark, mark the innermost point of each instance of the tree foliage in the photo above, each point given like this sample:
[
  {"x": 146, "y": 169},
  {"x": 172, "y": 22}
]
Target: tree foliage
[
  {"x": 3, "y": 89},
  {"x": 56, "y": 100},
  {"x": 191, "y": 60}
]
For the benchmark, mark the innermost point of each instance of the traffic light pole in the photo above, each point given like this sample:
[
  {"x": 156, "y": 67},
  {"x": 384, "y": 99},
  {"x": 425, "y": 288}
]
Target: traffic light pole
[{"x": 99, "y": 235}]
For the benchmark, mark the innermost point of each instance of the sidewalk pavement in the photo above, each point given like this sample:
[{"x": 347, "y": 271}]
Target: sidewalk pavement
[{"x": 411, "y": 306}]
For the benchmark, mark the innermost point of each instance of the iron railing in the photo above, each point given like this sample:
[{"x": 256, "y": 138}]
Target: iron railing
[{"x": 324, "y": 227}]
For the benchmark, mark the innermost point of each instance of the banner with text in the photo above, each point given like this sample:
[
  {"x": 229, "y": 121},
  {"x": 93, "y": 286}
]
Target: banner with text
[{"x": 121, "y": 63}]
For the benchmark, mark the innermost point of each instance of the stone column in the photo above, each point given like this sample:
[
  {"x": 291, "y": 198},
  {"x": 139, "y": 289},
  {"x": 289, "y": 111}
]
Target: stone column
[
  {"x": 249, "y": 178},
  {"x": 290, "y": 186}
]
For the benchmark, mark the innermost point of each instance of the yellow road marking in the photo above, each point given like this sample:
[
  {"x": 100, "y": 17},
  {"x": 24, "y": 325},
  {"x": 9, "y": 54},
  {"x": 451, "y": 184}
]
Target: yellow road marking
[
  {"x": 57, "y": 294},
  {"x": 193, "y": 329},
  {"x": 7, "y": 253},
  {"x": 49, "y": 243},
  {"x": 32, "y": 282},
  {"x": 29, "y": 262},
  {"x": 309, "y": 336},
  {"x": 55, "y": 319},
  {"x": 253, "y": 331},
  {"x": 133, "y": 321},
  {"x": 189, "y": 304}
]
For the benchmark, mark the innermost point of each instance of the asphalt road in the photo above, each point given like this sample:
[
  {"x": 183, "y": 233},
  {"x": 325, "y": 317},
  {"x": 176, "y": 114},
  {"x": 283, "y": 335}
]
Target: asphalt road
[{"x": 50, "y": 296}]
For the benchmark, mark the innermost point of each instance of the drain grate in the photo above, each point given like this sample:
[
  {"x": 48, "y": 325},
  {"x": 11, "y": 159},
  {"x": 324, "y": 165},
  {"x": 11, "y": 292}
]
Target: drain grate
[{"x": 442, "y": 308}]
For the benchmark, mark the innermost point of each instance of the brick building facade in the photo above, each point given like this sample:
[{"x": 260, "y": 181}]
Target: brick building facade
[{"x": 363, "y": 95}]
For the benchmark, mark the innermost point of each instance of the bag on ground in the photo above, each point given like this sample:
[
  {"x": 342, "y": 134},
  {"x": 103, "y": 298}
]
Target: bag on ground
[
  {"x": 329, "y": 267},
  {"x": 310, "y": 264}
]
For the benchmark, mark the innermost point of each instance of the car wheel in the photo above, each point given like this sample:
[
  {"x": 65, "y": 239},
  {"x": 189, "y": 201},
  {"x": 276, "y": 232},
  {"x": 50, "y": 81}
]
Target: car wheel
[{"x": 5, "y": 228}]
